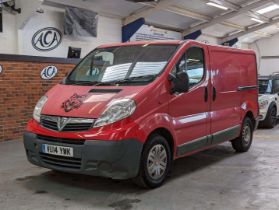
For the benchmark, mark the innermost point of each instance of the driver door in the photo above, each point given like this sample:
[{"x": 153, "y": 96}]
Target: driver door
[{"x": 190, "y": 110}]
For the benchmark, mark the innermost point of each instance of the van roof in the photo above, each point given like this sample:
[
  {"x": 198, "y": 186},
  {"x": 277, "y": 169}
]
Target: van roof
[
  {"x": 175, "y": 42},
  {"x": 178, "y": 42}
]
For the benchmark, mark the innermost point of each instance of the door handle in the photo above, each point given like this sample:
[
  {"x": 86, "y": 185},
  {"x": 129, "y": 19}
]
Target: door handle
[
  {"x": 214, "y": 94},
  {"x": 205, "y": 94}
]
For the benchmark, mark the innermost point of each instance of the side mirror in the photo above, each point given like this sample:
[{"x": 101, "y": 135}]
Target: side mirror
[{"x": 180, "y": 82}]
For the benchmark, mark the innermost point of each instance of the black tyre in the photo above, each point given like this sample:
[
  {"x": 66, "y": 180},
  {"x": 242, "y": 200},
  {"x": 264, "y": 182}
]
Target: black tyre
[
  {"x": 270, "y": 120},
  {"x": 155, "y": 163},
  {"x": 244, "y": 141}
]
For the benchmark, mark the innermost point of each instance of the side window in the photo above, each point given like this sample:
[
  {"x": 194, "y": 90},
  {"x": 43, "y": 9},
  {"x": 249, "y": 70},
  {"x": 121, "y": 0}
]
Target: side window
[
  {"x": 195, "y": 65},
  {"x": 192, "y": 62}
]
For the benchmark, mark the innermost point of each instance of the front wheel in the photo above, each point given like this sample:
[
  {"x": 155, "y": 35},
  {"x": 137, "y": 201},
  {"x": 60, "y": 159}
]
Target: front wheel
[
  {"x": 155, "y": 162},
  {"x": 244, "y": 141}
]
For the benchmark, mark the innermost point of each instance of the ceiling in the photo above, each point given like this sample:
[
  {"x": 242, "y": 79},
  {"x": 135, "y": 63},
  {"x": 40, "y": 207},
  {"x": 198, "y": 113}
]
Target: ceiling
[{"x": 188, "y": 16}]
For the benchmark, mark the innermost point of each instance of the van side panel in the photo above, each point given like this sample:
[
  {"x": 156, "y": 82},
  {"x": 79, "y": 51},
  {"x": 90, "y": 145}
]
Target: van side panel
[
  {"x": 230, "y": 71},
  {"x": 249, "y": 80}
]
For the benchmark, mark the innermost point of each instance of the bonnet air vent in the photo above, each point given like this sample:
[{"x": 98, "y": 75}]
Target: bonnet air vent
[{"x": 105, "y": 91}]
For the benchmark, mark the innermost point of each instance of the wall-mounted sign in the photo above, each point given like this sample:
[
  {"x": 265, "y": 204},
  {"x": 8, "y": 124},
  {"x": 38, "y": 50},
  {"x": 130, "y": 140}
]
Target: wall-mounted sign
[
  {"x": 152, "y": 33},
  {"x": 47, "y": 39},
  {"x": 1, "y": 69},
  {"x": 49, "y": 72}
]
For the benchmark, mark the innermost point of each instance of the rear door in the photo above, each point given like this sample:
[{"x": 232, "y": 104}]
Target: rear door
[{"x": 190, "y": 110}]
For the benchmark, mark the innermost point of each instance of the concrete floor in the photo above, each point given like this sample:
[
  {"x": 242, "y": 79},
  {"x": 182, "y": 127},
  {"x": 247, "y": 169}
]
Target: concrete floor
[{"x": 215, "y": 179}]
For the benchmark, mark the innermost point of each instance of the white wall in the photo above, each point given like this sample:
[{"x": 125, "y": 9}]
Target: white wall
[
  {"x": 109, "y": 30},
  {"x": 17, "y": 34},
  {"x": 267, "y": 47},
  {"x": 8, "y": 38}
]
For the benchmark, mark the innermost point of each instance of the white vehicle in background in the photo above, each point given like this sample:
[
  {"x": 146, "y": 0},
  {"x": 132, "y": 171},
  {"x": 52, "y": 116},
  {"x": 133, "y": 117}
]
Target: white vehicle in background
[{"x": 269, "y": 100}]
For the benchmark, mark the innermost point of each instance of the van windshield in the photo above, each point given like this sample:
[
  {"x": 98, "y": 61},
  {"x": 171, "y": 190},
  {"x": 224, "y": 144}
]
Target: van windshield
[
  {"x": 265, "y": 86},
  {"x": 122, "y": 65}
]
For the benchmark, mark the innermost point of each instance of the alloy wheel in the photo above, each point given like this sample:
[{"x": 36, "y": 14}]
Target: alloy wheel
[
  {"x": 157, "y": 161},
  {"x": 246, "y": 134}
]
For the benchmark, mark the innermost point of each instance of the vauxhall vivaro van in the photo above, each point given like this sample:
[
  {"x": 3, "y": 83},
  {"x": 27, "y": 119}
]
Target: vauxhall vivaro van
[{"x": 128, "y": 110}]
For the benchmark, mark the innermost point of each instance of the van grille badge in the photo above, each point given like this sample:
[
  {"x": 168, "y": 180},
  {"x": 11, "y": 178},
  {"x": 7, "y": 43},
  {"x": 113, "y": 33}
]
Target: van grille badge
[{"x": 62, "y": 122}]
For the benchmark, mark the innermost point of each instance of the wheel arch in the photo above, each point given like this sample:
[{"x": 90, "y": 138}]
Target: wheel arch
[
  {"x": 251, "y": 116},
  {"x": 167, "y": 134}
]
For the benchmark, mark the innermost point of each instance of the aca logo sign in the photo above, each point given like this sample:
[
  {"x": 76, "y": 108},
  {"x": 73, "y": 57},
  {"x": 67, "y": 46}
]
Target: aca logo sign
[
  {"x": 49, "y": 72},
  {"x": 47, "y": 39}
]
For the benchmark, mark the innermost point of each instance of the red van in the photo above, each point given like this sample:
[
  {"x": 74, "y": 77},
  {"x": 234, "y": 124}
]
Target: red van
[{"x": 128, "y": 110}]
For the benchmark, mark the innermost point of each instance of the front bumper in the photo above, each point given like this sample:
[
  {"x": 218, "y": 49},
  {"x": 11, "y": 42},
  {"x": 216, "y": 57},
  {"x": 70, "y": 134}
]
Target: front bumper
[{"x": 113, "y": 159}]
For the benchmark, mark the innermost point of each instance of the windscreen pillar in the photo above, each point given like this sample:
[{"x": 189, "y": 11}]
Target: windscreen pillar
[
  {"x": 193, "y": 35},
  {"x": 130, "y": 29},
  {"x": 230, "y": 42}
]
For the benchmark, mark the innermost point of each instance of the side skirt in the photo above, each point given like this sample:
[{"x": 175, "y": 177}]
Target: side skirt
[{"x": 206, "y": 141}]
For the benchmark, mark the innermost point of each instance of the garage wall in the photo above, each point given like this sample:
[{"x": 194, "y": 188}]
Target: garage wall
[
  {"x": 267, "y": 54},
  {"x": 21, "y": 87},
  {"x": 109, "y": 30},
  {"x": 8, "y": 38},
  {"x": 17, "y": 40}
]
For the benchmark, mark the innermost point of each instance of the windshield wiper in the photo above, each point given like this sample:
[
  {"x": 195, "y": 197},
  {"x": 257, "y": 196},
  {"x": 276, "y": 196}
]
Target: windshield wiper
[
  {"x": 82, "y": 82},
  {"x": 106, "y": 83},
  {"x": 138, "y": 79}
]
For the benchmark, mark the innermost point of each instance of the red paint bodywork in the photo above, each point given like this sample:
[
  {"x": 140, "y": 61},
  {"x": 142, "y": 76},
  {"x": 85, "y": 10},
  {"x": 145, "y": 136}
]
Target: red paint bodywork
[{"x": 226, "y": 70}]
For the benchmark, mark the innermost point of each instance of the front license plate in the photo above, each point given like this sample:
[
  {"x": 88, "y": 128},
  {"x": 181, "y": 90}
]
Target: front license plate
[{"x": 57, "y": 150}]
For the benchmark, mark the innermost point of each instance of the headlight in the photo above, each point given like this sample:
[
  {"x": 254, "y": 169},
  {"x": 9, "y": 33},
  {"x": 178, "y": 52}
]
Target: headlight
[
  {"x": 263, "y": 104},
  {"x": 38, "y": 108},
  {"x": 115, "y": 111}
]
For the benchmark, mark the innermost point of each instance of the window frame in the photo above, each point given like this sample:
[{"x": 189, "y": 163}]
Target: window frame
[{"x": 204, "y": 64}]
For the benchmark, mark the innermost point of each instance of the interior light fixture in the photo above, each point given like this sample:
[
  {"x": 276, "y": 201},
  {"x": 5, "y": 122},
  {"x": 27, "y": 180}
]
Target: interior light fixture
[
  {"x": 219, "y": 6},
  {"x": 268, "y": 9},
  {"x": 257, "y": 20}
]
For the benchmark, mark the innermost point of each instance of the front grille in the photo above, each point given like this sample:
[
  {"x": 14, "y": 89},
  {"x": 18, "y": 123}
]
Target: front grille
[
  {"x": 49, "y": 124},
  {"x": 77, "y": 127},
  {"x": 66, "y": 124},
  {"x": 65, "y": 162},
  {"x": 61, "y": 140}
]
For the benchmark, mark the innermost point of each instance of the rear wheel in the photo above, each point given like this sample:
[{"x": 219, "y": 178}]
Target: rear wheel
[
  {"x": 155, "y": 163},
  {"x": 244, "y": 141}
]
